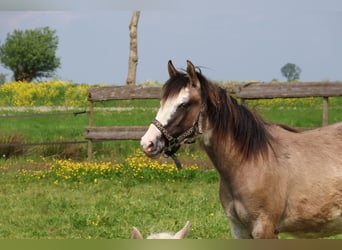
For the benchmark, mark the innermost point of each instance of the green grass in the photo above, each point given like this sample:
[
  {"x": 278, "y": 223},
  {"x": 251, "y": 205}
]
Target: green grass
[
  {"x": 39, "y": 209},
  {"x": 99, "y": 206},
  {"x": 300, "y": 117},
  {"x": 301, "y": 112},
  {"x": 293, "y": 112},
  {"x": 72, "y": 128}
]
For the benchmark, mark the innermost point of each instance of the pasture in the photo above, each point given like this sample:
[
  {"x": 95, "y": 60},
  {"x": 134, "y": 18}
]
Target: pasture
[
  {"x": 33, "y": 208},
  {"x": 293, "y": 112},
  {"x": 43, "y": 198}
]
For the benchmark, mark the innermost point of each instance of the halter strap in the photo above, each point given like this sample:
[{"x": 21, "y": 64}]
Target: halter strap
[
  {"x": 170, "y": 138},
  {"x": 161, "y": 128},
  {"x": 174, "y": 143}
]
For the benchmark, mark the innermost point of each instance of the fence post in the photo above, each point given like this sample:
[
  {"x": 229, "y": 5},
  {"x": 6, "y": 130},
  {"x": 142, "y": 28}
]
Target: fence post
[
  {"x": 91, "y": 124},
  {"x": 325, "y": 121}
]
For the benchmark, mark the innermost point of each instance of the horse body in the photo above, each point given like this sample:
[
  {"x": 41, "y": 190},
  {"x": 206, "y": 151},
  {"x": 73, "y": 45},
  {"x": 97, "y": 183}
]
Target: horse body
[
  {"x": 298, "y": 189},
  {"x": 272, "y": 178},
  {"x": 315, "y": 181}
]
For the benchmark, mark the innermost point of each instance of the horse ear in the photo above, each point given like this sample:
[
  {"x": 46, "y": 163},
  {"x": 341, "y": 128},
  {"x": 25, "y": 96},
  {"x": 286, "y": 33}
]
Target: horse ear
[
  {"x": 183, "y": 232},
  {"x": 136, "y": 235},
  {"x": 191, "y": 71},
  {"x": 172, "y": 70}
]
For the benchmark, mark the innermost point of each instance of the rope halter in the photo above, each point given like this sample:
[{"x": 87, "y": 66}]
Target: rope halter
[{"x": 188, "y": 136}]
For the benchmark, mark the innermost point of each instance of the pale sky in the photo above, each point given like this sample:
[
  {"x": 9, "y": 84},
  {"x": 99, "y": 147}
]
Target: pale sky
[{"x": 230, "y": 39}]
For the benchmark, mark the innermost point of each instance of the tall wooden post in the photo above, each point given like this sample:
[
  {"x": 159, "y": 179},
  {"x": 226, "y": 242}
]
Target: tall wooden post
[{"x": 133, "y": 54}]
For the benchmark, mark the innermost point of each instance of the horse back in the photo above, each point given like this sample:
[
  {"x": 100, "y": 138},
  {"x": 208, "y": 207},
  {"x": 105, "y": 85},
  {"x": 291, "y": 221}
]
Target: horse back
[{"x": 314, "y": 185}]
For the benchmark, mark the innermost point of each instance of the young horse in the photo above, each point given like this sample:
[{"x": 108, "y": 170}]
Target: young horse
[
  {"x": 181, "y": 234},
  {"x": 272, "y": 178}
]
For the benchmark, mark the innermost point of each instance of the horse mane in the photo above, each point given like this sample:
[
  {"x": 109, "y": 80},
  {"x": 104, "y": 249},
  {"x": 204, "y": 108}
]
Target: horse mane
[{"x": 228, "y": 118}]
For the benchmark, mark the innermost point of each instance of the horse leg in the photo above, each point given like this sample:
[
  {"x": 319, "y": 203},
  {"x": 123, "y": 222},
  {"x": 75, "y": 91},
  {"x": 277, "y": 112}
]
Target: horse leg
[
  {"x": 264, "y": 228},
  {"x": 238, "y": 231}
]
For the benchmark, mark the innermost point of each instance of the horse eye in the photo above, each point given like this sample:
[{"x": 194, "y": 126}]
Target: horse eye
[{"x": 184, "y": 105}]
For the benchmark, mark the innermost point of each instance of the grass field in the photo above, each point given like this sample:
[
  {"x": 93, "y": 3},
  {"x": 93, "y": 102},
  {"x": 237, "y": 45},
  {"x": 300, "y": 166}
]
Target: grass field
[
  {"x": 36, "y": 209},
  {"x": 35, "y": 206},
  {"x": 59, "y": 97},
  {"x": 70, "y": 127},
  {"x": 42, "y": 198}
]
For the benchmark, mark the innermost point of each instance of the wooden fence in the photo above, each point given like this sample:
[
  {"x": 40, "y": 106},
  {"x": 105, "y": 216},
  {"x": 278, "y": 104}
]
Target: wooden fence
[{"x": 243, "y": 91}]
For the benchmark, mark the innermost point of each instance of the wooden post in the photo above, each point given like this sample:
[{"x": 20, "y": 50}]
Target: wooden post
[
  {"x": 325, "y": 121},
  {"x": 91, "y": 124},
  {"x": 133, "y": 54},
  {"x": 91, "y": 114}
]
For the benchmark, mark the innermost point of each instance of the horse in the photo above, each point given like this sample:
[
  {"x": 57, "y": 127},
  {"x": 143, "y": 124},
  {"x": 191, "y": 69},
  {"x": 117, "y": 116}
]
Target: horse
[
  {"x": 181, "y": 234},
  {"x": 273, "y": 179}
]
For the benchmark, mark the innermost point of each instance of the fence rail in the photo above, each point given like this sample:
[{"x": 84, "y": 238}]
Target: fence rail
[
  {"x": 289, "y": 90},
  {"x": 43, "y": 115},
  {"x": 96, "y": 94},
  {"x": 115, "y": 133},
  {"x": 246, "y": 91},
  {"x": 30, "y": 144}
]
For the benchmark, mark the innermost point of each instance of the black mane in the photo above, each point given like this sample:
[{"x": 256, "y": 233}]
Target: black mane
[{"x": 228, "y": 118}]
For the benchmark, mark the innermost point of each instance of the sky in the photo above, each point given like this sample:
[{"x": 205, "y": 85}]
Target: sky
[{"x": 229, "y": 39}]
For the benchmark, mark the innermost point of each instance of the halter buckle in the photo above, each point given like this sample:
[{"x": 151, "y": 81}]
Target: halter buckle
[{"x": 172, "y": 147}]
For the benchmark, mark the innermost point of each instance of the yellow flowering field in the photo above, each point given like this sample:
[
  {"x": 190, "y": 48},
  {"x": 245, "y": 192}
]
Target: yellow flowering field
[
  {"x": 135, "y": 168},
  {"x": 309, "y": 102},
  {"x": 66, "y": 93},
  {"x": 50, "y": 93}
]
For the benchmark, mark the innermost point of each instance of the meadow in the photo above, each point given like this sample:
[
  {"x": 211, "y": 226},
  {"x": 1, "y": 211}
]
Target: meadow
[
  {"x": 21, "y": 105},
  {"x": 52, "y": 192},
  {"x": 103, "y": 200}
]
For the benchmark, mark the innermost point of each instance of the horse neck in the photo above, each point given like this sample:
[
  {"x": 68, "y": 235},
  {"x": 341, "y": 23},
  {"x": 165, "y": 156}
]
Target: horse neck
[
  {"x": 233, "y": 133},
  {"x": 221, "y": 152}
]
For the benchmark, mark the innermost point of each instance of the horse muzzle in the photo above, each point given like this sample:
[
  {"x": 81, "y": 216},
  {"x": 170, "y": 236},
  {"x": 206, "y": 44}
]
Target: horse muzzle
[{"x": 153, "y": 142}]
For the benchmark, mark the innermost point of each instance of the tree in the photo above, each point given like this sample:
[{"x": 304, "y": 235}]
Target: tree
[
  {"x": 133, "y": 54},
  {"x": 291, "y": 72},
  {"x": 30, "y": 54},
  {"x": 2, "y": 78}
]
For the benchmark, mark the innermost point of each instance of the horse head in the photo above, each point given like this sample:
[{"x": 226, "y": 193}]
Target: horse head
[
  {"x": 179, "y": 118},
  {"x": 181, "y": 234}
]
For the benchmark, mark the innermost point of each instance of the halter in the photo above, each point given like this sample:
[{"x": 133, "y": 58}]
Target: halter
[{"x": 174, "y": 143}]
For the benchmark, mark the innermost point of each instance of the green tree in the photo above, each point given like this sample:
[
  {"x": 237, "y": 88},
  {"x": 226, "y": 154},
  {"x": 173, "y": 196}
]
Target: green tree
[
  {"x": 2, "y": 78},
  {"x": 291, "y": 72},
  {"x": 30, "y": 54}
]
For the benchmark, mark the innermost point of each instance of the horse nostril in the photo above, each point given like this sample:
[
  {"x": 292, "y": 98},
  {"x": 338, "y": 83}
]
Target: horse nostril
[{"x": 149, "y": 146}]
